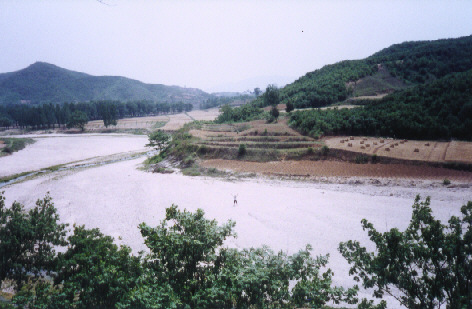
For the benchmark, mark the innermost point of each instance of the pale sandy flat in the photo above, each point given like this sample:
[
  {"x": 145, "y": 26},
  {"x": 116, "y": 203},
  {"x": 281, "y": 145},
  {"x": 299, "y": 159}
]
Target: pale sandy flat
[
  {"x": 284, "y": 215},
  {"x": 49, "y": 150}
]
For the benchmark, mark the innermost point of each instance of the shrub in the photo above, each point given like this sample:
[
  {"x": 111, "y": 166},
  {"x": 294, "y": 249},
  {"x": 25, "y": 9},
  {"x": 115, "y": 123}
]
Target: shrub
[
  {"x": 375, "y": 158},
  {"x": 309, "y": 150},
  {"x": 446, "y": 182},
  {"x": 324, "y": 150},
  {"x": 361, "y": 159},
  {"x": 242, "y": 150}
]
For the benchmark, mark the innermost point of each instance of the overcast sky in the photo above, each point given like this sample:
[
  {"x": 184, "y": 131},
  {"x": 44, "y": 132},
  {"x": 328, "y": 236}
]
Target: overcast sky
[{"x": 215, "y": 45}]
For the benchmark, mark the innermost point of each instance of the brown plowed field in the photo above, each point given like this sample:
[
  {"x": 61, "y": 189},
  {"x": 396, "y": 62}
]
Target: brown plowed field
[{"x": 339, "y": 169}]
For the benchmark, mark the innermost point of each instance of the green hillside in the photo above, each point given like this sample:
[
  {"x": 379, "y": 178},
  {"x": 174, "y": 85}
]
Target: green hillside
[
  {"x": 391, "y": 69},
  {"x": 46, "y": 83},
  {"x": 441, "y": 109}
]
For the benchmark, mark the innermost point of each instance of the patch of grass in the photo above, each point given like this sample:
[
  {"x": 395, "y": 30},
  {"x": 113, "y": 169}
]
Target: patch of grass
[
  {"x": 191, "y": 171},
  {"x": 163, "y": 170},
  {"x": 14, "y": 144},
  {"x": 154, "y": 159},
  {"x": 159, "y": 124},
  {"x": 11, "y": 177}
]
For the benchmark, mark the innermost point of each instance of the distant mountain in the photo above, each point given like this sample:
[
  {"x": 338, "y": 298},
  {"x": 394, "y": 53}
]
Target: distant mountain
[
  {"x": 43, "y": 83},
  {"x": 394, "y": 68}
]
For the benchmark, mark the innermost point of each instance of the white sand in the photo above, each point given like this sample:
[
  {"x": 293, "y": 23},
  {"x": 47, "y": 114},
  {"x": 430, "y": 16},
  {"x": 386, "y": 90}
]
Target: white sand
[
  {"x": 49, "y": 150},
  {"x": 284, "y": 215}
]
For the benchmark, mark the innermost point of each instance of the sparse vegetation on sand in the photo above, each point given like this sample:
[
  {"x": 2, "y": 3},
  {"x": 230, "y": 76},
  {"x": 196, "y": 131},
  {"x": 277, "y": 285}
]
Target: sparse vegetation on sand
[{"x": 8, "y": 145}]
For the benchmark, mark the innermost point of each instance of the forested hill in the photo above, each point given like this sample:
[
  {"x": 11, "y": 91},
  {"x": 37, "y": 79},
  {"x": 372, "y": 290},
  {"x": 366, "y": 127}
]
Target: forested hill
[
  {"x": 391, "y": 69},
  {"x": 46, "y": 83},
  {"x": 441, "y": 109}
]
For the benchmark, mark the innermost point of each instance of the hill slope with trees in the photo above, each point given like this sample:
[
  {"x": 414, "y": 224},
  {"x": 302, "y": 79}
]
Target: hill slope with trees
[
  {"x": 394, "y": 68},
  {"x": 46, "y": 83},
  {"x": 441, "y": 109}
]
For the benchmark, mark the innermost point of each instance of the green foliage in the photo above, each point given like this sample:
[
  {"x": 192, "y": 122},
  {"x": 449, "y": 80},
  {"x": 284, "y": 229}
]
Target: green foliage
[
  {"x": 159, "y": 140},
  {"x": 271, "y": 96},
  {"x": 78, "y": 119},
  {"x": 245, "y": 112},
  {"x": 274, "y": 113},
  {"x": 361, "y": 159},
  {"x": 108, "y": 112},
  {"x": 186, "y": 267},
  {"x": 428, "y": 265},
  {"x": 324, "y": 150},
  {"x": 406, "y": 64},
  {"x": 242, "y": 150},
  {"x": 94, "y": 272},
  {"x": 440, "y": 109},
  {"x": 446, "y": 182},
  {"x": 49, "y": 115},
  {"x": 423, "y": 61},
  {"x": 375, "y": 158},
  {"x": 183, "y": 252},
  {"x": 15, "y": 144},
  {"x": 289, "y": 106},
  {"x": 216, "y": 101},
  {"x": 326, "y": 85},
  {"x": 28, "y": 239}
]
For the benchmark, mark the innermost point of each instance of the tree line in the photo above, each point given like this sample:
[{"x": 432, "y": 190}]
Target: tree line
[
  {"x": 428, "y": 265},
  {"x": 216, "y": 101},
  {"x": 51, "y": 115}
]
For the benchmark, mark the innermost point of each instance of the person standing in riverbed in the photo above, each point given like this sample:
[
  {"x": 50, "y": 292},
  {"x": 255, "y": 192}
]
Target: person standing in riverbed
[{"x": 235, "y": 199}]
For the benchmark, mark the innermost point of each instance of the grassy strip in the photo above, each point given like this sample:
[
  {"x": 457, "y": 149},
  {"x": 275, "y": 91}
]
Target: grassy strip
[
  {"x": 14, "y": 144},
  {"x": 159, "y": 124},
  {"x": 49, "y": 169},
  {"x": 11, "y": 177}
]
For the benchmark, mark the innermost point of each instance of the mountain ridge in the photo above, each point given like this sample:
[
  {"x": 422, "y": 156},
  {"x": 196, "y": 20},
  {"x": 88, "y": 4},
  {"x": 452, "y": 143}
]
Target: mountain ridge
[{"x": 42, "y": 82}]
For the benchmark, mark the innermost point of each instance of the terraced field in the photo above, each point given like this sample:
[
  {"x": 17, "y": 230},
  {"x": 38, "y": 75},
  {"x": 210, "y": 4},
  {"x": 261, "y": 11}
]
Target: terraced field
[{"x": 256, "y": 136}]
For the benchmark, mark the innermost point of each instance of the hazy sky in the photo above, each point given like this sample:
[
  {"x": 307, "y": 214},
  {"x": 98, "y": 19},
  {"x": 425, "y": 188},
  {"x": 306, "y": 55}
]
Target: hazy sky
[{"x": 215, "y": 44}]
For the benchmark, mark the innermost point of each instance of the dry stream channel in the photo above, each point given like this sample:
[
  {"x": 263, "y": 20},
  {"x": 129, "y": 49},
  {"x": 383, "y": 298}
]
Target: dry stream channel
[{"x": 96, "y": 181}]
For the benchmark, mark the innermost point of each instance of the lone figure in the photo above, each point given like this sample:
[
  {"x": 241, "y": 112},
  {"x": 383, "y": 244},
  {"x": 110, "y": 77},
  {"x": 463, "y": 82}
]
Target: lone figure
[{"x": 235, "y": 199}]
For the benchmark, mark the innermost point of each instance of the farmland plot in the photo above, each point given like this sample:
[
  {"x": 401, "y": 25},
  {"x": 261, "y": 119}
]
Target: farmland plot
[{"x": 428, "y": 151}]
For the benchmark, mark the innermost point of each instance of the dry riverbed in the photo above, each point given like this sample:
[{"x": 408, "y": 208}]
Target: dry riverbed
[{"x": 283, "y": 214}]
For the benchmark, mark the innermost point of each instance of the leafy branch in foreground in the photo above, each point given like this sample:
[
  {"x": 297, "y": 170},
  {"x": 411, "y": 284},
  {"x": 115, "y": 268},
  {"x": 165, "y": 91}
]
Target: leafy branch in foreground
[
  {"x": 186, "y": 267},
  {"x": 28, "y": 239},
  {"x": 426, "y": 266}
]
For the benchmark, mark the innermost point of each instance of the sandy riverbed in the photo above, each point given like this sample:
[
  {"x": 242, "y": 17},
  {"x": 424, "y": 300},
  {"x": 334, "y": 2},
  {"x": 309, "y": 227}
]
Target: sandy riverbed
[
  {"x": 53, "y": 149},
  {"x": 285, "y": 215},
  {"x": 282, "y": 214}
]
